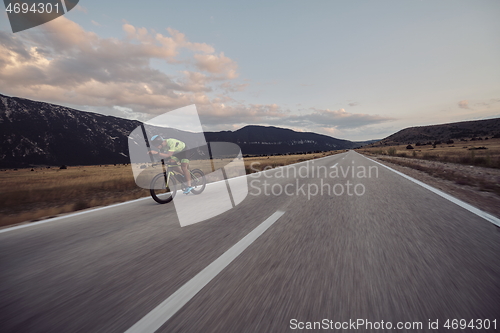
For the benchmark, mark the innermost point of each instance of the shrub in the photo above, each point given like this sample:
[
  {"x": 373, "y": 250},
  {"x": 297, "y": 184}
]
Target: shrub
[
  {"x": 409, "y": 147},
  {"x": 63, "y": 167},
  {"x": 391, "y": 151}
]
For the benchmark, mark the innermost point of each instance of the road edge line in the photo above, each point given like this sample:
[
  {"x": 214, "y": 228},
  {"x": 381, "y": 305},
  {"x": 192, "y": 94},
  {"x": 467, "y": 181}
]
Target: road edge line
[{"x": 488, "y": 217}]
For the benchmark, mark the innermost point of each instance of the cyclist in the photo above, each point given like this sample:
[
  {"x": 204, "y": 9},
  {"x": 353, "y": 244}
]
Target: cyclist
[{"x": 173, "y": 146}]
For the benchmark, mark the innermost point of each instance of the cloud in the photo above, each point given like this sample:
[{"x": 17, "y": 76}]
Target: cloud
[
  {"x": 81, "y": 9},
  {"x": 222, "y": 66},
  {"x": 224, "y": 111},
  {"x": 463, "y": 104},
  {"x": 330, "y": 121},
  {"x": 96, "y": 23},
  {"x": 61, "y": 62},
  {"x": 339, "y": 119},
  {"x": 353, "y": 103},
  {"x": 489, "y": 103}
]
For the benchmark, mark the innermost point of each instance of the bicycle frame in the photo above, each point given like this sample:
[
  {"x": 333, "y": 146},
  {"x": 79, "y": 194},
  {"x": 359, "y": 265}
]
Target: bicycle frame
[{"x": 168, "y": 172}]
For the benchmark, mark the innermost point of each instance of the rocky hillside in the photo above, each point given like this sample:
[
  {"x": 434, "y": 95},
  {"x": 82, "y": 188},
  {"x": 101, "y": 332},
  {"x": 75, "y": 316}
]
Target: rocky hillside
[
  {"x": 36, "y": 133},
  {"x": 444, "y": 132}
]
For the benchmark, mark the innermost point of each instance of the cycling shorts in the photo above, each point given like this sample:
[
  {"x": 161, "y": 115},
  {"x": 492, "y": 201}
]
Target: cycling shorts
[{"x": 182, "y": 156}]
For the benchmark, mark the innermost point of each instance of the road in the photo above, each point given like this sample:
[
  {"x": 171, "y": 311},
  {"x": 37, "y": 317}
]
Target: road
[{"x": 397, "y": 252}]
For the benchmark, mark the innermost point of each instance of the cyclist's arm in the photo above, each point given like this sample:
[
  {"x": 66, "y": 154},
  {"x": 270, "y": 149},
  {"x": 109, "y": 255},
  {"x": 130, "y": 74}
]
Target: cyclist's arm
[{"x": 164, "y": 155}]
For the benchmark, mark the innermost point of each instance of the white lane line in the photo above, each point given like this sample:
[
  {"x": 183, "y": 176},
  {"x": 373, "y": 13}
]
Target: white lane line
[
  {"x": 334, "y": 166},
  {"x": 163, "y": 312},
  {"x": 459, "y": 202}
]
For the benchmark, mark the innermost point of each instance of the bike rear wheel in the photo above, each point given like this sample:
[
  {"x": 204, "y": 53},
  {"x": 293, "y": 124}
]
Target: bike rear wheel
[
  {"x": 160, "y": 191},
  {"x": 198, "y": 181}
]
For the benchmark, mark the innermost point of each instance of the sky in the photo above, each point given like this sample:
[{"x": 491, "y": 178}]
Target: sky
[{"x": 355, "y": 70}]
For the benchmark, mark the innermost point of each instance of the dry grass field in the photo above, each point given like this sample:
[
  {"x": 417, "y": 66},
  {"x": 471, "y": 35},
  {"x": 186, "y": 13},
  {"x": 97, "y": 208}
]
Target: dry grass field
[
  {"x": 473, "y": 164},
  {"x": 27, "y": 195},
  {"x": 484, "y": 153}
]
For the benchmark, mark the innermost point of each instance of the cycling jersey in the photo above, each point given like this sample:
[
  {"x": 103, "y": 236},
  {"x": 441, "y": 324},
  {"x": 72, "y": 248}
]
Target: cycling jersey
[{"x": 176, "y": 146}]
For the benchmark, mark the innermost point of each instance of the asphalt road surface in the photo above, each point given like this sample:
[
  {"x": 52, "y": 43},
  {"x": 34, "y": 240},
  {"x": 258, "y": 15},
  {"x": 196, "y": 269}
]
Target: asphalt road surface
[{"x": 392, "y": 251}]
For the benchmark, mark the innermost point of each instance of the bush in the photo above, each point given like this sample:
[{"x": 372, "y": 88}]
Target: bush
[
  {"x": 63, "y": 167},
  {"x": 409, "y": 147},
  {"x": 391, "y": 151},
  {"x": 449, "y": 142}
]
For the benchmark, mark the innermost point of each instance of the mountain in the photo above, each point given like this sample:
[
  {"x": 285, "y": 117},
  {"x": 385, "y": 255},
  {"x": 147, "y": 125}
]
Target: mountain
[
  {"x": 37, "y": 133},
  {"x": 256, "y": 140},
  {"x": 444, "y": 132}
]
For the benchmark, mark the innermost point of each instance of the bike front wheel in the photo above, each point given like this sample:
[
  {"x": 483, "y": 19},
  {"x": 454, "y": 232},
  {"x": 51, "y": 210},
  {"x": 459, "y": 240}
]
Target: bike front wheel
[
  {"x": 198, "y": 181},
  {"x": 162, "y": 192}
]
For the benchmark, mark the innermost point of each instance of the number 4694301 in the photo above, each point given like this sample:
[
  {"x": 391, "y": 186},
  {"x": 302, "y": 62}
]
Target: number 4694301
[{"x": 39, "y": 8}]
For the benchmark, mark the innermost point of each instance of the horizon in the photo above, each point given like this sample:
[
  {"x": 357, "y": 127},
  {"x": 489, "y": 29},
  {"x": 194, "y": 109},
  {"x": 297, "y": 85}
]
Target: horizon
[
  {"x": 349, "y": 71},
  {"x": 273, "y": 126}
]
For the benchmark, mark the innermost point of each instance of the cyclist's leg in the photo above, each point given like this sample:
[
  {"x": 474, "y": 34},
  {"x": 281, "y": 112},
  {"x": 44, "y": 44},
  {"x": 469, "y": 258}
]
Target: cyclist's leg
[
  {"x": 185, "y": 171},
  {"x": 184, "y": 166},
  {"x": 175, "y": 160}
]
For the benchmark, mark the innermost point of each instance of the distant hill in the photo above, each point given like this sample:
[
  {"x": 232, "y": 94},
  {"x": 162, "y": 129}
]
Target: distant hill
[
  {"x": 256, "y": 140},
  {"x": 444, "y": 132},
  {"x": 36, "y": 133}
]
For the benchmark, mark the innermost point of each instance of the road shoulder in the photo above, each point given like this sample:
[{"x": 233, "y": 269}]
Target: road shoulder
[{"x": 462, "y": 182}]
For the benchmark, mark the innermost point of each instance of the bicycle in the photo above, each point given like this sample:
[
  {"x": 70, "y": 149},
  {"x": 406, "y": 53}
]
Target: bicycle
[{"x": 164, "y": 186}]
